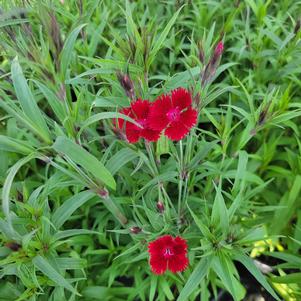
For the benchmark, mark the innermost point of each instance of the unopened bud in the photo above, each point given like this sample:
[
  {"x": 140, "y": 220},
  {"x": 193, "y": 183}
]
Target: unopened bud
[
  {"x": 19, "y": 196},
  {"x": 126, "y": 84},
  {"x": 135, "y": 230},
  {"x": 219, "y": 49},
  {"x": 13, "y": 246},
  {"x": 160, "y": 207},
  {"x": 103, "y": 193},
  {"x": 211, "y": 67},
  {"x": 263, "y": 114},
  {"x": 201, "y": 54}
]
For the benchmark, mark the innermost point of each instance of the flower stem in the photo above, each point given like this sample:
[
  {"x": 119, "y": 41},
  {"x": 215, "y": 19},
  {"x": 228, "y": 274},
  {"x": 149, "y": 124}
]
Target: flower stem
[{"x": 181, "y": 166}]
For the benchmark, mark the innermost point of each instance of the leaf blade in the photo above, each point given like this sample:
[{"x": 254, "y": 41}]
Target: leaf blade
[{"x": 80, "y": 156}]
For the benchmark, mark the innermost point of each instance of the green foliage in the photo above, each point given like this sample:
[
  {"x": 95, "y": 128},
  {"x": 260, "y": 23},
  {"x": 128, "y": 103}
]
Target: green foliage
[{"x": 73, "y": 191}]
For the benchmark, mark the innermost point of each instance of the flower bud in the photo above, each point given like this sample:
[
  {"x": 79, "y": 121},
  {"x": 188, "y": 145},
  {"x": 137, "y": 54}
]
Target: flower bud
[
  {"x": 219, "y": 49},
  {"x": 103, "y": 193},
  {"x": 13, "y": 246},
  {"x": 126, "y": 84},
  {"x": 135, "y": 230},
  {"x": 263, "y": 115},
  {"x": 211, "y": 67},
  {"x": 160, "y": 207}
]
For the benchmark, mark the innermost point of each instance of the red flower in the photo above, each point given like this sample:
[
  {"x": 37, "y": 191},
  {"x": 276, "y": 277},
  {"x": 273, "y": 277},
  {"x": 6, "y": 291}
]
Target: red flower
[
  {"x": 139, "y": 111},
  {"x": 169, "y": 253},
  {"x": 173, "y": 113}
]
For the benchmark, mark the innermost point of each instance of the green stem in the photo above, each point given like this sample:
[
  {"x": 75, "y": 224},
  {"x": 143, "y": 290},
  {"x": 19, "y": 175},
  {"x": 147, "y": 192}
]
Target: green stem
[
  {"x": 151, "y": 157},
  {"x": 181, "y": 166}
]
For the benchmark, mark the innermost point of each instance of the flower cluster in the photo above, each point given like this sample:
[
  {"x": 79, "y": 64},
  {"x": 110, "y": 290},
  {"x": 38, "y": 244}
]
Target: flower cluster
[
  {"x": 171, "y": 114},
  {"x": 168, "y": 253}
]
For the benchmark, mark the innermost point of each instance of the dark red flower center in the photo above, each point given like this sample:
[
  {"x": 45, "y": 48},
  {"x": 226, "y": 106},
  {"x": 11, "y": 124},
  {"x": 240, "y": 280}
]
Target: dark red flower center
[
  {"x": 173, "y": 114},
  {"x": 168, "y": 253}
]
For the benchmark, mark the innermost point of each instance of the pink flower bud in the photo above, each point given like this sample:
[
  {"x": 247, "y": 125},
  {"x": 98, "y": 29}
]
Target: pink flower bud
[
  {"x": 103, "y": 193},
  {"x": 160, "y": 207},
  {"x": 211, "y": 67},
  {"x": 219, "y": 49}
]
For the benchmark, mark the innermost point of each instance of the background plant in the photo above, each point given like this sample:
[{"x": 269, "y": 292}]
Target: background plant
[{"x": 80, "y": 204}]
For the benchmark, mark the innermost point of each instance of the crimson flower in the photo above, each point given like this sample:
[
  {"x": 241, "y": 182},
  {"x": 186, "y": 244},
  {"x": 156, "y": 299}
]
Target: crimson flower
[
  {"x": 174, "y": 114},
  {"x": 168, "y": 252},
  {"x": 139, "y": 111}
]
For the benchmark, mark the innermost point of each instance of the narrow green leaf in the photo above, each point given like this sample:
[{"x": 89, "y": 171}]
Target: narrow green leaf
[
  {"x": 196, "y": 277},
  {"x": 289, "y": 201},
  {"x": 166, "y": 289},
  {"x": 220, "y": 211},
  {"x": 47, "y": 269},
  {"x": 291, "y": 278},
  {"x": 56, "y": 105},
  {"x": 204, "y": 229},
  {"x": 8, "y": 183},
  {"x": 27, "y": 101},
  {"x": 15, "y": 145},
  {"x": 97, "y": 293},
  {"x": 68, "y": 49},
  {"x": 120, "y": 159},
  {"x": 4, "y": 23},
  {"x": 62, "y": 214},
  {"x": 66, "y": 263},
  {"x": 159, "y": 42},
  {"x": 105, "y": 115},
  {"x": 204, "y": 149},
  {"x": 162, "y": 146},
  {"x": 73, "y": 232},
  {"x": 80, "y": 156},
  {"x": 252, "y": 268},
  {"x": 221, "y": 266},
  {"x": 241, "y": 169}
]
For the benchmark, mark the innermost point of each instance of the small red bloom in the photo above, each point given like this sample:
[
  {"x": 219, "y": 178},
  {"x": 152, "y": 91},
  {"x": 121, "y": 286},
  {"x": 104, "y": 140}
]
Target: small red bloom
[
  {"x": 174, "y": 114},
  {"x": 139, "y": 111},
  {"x": 168, "y": 252}
]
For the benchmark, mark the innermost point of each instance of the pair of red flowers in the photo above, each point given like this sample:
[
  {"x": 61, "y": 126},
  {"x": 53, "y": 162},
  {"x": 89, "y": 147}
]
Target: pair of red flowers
[{"x": 171, "y": 114}]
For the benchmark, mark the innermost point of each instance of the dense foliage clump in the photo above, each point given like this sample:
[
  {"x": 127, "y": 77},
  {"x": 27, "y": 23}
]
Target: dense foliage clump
[{"x": 150, "y": 150}]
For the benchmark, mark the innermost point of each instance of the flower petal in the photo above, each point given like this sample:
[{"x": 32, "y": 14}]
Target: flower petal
[
  {"x": 181, "y": 98},
  {"x": 180, "y": 246},
  {"x": 176, "y": 131},
  {"x": 157, "y": 247},
  {"x": 132, "y": 132},
  {"x": 150, "y": 135},
  {"x": 158, "y": 264},
  {"x": 157, "y": 118},
  {"x": 120, "y": 122},
  {"x": 189, "y": 117},
  {"x": 178, "y": 263},
  {"x": 140, "y": 109}
]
